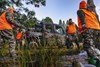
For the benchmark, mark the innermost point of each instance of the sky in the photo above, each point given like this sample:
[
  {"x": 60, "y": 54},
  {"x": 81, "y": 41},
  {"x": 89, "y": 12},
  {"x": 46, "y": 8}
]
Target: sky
[{"x": 60, "y": 9}]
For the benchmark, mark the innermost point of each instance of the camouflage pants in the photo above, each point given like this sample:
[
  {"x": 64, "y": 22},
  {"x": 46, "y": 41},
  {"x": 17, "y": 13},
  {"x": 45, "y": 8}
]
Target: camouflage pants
[
  {"x": 97, "y": 40},
  {"x": 7, "y": 35},
  {"x": 89, "y": 37}
]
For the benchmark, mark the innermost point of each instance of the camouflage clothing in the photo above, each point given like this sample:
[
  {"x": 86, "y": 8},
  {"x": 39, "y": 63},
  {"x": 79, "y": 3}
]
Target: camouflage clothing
[
  {"x": 9, "y": 37},
  {"x": 14, "y": 21},
  {"x": 89, "y": 37},
  {"x": 8, "y": 34}
]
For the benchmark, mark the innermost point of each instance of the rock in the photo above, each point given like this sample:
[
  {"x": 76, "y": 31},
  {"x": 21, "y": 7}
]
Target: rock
[{"x": 89, "y": 65}]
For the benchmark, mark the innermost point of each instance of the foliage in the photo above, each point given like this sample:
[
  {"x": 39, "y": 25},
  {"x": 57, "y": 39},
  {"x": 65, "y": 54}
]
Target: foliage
[
  {"x": 41, "y": 57},
  {"x": 67, "y": 22},
  {"x": 19, "y": 3},
  {"x": 48, "y": 20},
  {"x": 27, "y": 19},
  {"x": 49, "y": 56},
  {"x": 60, "y": 22},
  {"x": 64, "y": 26}
]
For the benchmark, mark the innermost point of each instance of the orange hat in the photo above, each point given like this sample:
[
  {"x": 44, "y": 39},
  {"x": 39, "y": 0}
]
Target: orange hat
[{"x": 83, "y": 4}]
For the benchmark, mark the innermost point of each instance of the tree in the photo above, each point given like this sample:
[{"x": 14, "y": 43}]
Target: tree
[
  {"x": 26, "y": 19},
  {"x": 48, "y": 19},
  {"x": 67, "y": 22},
  {"x": 60, "y": 22},
  {"x": 19, "y": 4},
  {"x": 64, "y": 26}
]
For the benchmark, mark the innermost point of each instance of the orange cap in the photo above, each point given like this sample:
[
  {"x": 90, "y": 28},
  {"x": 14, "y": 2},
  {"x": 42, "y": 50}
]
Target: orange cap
[{"x": 83, "y": 4}]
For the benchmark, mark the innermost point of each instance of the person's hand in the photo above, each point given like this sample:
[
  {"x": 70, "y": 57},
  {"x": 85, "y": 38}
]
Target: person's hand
[{"x": 83, "y": 27}]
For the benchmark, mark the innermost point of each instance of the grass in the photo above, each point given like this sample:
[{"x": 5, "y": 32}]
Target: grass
[{"x": 43, "y": 56}]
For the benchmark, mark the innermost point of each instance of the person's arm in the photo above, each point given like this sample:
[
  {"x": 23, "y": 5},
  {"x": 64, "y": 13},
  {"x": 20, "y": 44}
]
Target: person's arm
[
  {"x": 9, "y": 17},
  {"x": 81, "y": 16},
  {"x": 66, "y": 28},
  {"x": 76, "y": 27}
]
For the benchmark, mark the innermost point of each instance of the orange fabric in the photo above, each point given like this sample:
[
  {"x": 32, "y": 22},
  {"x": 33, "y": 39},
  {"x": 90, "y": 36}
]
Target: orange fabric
[
  {"x": 19, "y": 35},
  {"x": 82, "y": 4},
  {"x": 71, "y": 28},
  {"x": 4, "y": 24},
  {"x": 90, "y": 20}
]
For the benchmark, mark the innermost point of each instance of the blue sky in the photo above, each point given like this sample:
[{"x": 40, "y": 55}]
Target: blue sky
[{"x": 60, "y": 9}]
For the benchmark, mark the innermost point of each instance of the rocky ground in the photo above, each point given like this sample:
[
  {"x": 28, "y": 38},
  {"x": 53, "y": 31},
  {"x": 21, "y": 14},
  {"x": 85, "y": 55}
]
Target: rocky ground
[{"x": 81, "y": 58}]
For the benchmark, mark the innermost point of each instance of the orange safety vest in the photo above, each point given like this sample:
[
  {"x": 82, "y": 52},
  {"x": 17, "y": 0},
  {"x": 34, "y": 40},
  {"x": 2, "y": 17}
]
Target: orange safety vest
[
  {"x": 19, "y": 35},
  {"x": 4, "y": 24},
  {"x": 71, "y": 28},
  {"x": 90, "y": 20}
]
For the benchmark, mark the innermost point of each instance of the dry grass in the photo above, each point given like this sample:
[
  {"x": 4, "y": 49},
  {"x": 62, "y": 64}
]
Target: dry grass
[{"x": 41, "y": 57}]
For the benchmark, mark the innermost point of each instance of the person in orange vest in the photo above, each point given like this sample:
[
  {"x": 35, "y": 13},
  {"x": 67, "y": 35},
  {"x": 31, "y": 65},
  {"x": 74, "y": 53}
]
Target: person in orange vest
[
  {"x": 88, "y": 25},
  {"x": 19, "y": 35},
  {"x": 7, "y": 23},
  {"x": 71, "y": 31}
]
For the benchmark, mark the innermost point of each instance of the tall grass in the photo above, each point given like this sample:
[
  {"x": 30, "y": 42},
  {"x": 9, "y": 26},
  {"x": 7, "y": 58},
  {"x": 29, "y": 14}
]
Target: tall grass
[{"x": 43, "y": 56}]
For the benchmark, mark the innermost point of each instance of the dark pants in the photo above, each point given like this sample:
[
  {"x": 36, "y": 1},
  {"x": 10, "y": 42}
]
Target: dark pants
[
  {"x": 19, "y": 44},
  {"x": 72, "y": 38},
  {"x": 8, "y": 36},
  {"x": 89, "y": 37}
]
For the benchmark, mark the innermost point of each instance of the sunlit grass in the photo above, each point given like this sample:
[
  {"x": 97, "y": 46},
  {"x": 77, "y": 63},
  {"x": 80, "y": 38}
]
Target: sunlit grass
[{"x": 47, "y": 56}]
